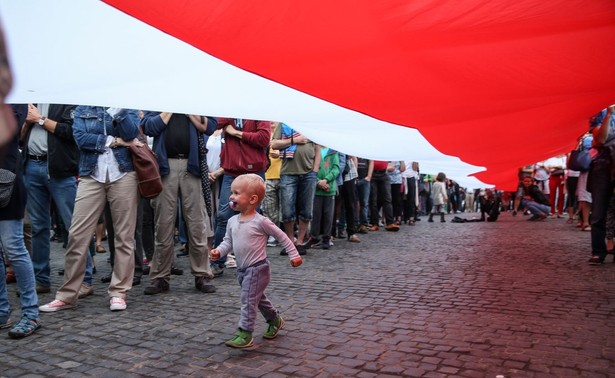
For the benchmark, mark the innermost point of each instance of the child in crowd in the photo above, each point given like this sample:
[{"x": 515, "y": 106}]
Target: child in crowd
[
  {"x": 440, "y": 197},
  {"x": 246, "y": 235},
  {"x": 324, "y": 199}
]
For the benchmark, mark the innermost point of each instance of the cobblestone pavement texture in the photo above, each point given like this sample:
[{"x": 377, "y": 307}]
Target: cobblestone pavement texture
[{"x": 511, "y": 298}]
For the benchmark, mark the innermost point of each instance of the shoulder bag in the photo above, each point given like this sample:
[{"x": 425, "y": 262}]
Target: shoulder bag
[
  {"x": 147, "y": 169},
  {"x": 579, "y": 159}
]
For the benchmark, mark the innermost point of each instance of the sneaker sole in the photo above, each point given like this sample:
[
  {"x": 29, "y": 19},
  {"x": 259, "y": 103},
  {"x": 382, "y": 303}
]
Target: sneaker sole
[
  {"x": 276, "y": 334},
  {"x": 240, "y": 346},
  {"x": 55, "y": 309},
  {"x": 117, "y": 308}
]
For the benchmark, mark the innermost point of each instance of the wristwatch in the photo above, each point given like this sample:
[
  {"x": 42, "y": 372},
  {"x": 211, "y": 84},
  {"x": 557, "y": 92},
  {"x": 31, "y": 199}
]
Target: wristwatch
[{"x": 42, "y": 121}]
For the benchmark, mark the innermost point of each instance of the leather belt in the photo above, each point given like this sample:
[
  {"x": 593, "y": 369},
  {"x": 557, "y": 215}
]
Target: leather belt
[
  {"x": 37, "y": 157},
  {"x": 179, "y": 156}
]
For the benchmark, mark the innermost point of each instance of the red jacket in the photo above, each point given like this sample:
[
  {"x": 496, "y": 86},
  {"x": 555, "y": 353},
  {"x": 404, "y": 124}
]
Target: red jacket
[{"x": 249, "y": 154}]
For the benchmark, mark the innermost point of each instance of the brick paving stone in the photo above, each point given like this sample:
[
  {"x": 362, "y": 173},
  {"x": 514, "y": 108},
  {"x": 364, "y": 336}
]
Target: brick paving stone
[
  {"x": 470, "y": 300},
  {"x": 448, "y": 370}
]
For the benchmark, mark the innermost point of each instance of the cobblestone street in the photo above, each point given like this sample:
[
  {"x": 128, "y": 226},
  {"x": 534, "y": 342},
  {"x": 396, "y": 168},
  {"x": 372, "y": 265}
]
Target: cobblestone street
[{"x": 511, "y": 298}]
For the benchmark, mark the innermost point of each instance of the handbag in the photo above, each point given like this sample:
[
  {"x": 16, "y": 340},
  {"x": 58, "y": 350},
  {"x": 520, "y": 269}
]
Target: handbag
[
  {"x": 147, "y": 169},
  {"x": 579, "y": 160},
  {"x": 7, "y": 182}
]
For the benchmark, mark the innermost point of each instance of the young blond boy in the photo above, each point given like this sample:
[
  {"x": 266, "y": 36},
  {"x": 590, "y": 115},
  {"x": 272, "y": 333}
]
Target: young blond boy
[{"x": 246, "y": 235}]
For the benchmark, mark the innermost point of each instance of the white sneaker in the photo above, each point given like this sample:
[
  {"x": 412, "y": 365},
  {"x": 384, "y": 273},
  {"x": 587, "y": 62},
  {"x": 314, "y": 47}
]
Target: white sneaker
[
  {"x": 117, "y": 304},
  {"x": 85, "y": 290},
  {"x": 54, "y": 306},
  {"x": 271, "y": 242},
  {"x": 230, "y": 262}
]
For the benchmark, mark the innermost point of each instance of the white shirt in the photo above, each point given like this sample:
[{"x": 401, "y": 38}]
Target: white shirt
[
  {"x": 107, "y": 169},
  {"x": 214, "y": 148}
]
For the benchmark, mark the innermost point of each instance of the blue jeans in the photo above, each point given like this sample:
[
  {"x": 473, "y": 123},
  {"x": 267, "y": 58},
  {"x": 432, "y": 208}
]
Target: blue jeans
[
  {"x": 41, "y": 189},
  {"x": 536, "y": 208},
  {"x": 363, "y": 190},
  {"x": 297, "y": 195},
  {"x": 11, "y": 239}
]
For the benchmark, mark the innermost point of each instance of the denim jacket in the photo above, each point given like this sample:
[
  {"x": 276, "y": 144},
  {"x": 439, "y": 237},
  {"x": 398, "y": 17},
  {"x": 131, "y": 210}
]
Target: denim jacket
[{"x": 88, "y": 130}]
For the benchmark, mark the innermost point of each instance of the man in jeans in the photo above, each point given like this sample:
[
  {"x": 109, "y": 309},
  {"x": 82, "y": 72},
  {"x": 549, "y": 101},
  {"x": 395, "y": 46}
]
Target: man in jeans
[
  {"x": 298, "y": 176},
  {"x": 365, "y": 169},
  {"x": 12, "y": 241},
  {"x": 51, "y": 159}
]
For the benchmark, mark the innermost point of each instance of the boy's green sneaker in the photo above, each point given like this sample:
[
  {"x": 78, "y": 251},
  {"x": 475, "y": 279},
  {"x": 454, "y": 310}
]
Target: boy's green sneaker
[
  {"x": 274, "y": 327},
  {"x": 242, "y": 339}
]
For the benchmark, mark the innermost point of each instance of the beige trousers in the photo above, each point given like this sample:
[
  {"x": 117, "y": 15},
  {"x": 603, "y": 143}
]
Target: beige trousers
[
  {"x": 91, "y": 197},
  {"x": 180, "y": 183}
]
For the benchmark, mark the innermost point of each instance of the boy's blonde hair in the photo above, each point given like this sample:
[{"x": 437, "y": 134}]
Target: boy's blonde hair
[{"x": 255, "y": 183}]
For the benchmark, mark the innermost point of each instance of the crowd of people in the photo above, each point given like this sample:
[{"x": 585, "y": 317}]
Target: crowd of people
[
  {"x": 550, "y": 187},
  {"x": 80, "y": 187},
  {"x": 77, "y": 168}
]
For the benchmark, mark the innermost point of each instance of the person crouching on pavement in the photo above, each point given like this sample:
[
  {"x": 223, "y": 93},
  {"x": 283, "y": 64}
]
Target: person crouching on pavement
[{"x": 246, "y": 235}]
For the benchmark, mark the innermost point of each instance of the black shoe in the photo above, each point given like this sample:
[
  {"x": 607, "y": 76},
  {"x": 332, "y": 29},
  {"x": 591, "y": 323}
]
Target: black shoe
[
  {"x": 283, "y": 252},
  {"x": 326, "y": 243},
  {"x": 40, "y": 289},
  {"x": 176, "y": 271},
  {"x": 596, "y": 260},
  {"x": 311, "y": 242},
  {"x": 136, "y": 281},
  {"x": 302, "y": 250},
  {"x": 203, "y": 285},
  {"x": 341, "y": 234},
  {"x": 157, "y": 286},
  {"x": 107, "y": 278}
]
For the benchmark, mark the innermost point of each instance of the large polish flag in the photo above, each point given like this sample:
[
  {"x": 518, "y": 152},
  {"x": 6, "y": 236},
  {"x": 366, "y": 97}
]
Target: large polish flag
[{"x": 473, "y": 88}]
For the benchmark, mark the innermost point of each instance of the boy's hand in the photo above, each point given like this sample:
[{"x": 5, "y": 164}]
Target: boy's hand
[
  {"x": 296, "y": 262},
  {"x": 214, "y": 255}
]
